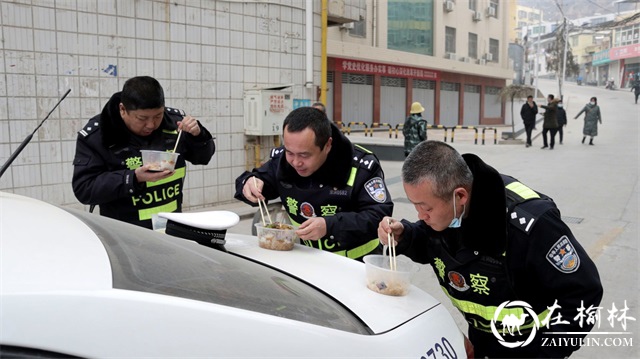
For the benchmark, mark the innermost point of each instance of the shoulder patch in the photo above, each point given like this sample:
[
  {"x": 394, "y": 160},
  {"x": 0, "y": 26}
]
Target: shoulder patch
[
  {"x": 365, "y": 160},
  {"x": 522, "y": 219},
  {"x": 376, "y": 190},
  {"x": 276, "y": 151},
  {"x": 563, "y": 256},
  {"x": 89, "y": 128},
  {"x": 175, "y": 111}
]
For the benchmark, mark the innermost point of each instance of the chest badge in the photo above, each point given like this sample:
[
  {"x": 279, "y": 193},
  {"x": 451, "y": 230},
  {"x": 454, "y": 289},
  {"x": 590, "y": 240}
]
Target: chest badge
[
  {"x": 306, "y": 210},
  {"x": 375, "y": 189},
  {"x": 457, "y": 281},
  {"x": 563, "y": 256}
]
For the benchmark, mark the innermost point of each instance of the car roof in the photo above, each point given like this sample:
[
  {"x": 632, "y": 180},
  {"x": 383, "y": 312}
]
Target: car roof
[
  {"x": 41, "y": 246},
  {"x": 76, "y": 259}
]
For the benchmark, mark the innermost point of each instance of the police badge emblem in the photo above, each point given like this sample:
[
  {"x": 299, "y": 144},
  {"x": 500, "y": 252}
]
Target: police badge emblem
[
  {"x": 375, "y": 189},
  {"x": 563, "y": 256}
]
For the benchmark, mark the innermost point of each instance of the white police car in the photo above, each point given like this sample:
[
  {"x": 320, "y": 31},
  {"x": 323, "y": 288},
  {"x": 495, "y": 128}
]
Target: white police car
[{"x": 78, "y": 284}]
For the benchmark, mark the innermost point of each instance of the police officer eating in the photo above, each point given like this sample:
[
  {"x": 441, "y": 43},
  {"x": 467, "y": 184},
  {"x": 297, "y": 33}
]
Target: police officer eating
[
  {"x": 108, "y": 169},
  {"x": 332, "y": 190},
  {"x": 500, "y": 252}
]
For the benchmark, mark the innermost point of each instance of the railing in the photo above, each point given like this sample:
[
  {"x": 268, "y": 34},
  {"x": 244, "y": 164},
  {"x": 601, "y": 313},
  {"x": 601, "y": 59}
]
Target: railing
[
  {"x": 380, "y": 125},
  {"x": 453, "y": 129},
  {"x": 400, "y": 126},
  {"x": 366, "y": 127},
  {"x": 495, "y": 134}
]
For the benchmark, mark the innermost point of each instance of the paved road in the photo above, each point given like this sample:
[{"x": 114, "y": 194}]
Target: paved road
[{"x": 595, "y": 187}]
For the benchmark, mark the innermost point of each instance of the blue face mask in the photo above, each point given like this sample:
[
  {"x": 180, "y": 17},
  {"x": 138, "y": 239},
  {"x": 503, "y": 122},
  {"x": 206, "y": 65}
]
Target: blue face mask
[{"x": 456, "y": 222}]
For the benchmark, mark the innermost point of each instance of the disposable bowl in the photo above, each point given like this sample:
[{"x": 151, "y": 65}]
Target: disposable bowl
[
  {"x": 278, "y": 239},
  {"x": 159, "y": 160},
  {"x": 381, "y": 279}
]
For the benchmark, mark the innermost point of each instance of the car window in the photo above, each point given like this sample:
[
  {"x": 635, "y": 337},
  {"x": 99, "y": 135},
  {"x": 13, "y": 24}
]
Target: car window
[{"x": 148, "y": 261}]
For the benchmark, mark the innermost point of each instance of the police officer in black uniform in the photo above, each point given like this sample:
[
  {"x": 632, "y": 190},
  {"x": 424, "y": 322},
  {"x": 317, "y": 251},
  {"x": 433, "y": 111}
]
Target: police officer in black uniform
[
  {"x": 108, "y": 168},
  {"x": 501, "y": 253},
  {"x": 333, "y": 190}
]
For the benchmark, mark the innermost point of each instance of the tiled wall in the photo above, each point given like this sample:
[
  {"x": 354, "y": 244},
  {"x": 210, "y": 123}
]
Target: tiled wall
[{"x": 205, "y": 53}]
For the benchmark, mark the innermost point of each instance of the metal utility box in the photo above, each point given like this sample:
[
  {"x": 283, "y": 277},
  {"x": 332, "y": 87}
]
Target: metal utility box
[{"x": 266, "y": 108}]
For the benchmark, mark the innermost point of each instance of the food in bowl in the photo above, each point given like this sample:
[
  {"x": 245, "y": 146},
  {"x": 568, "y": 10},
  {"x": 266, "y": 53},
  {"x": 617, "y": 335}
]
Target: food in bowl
[
  {"x": 381, "y": 279},
  {"x": 276, "y": 236},
  {"x": 159, "y": 160}
]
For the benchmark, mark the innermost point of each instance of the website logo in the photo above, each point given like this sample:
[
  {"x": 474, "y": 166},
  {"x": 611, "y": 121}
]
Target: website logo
[{"x": 511, "y": 323}]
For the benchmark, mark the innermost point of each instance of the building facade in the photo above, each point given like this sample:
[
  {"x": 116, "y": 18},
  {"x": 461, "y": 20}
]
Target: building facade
[{"x": 451, "y": 56}]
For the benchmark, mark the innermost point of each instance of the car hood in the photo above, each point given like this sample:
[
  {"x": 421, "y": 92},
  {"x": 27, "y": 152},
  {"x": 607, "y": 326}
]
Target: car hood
[{"x": 341, "y": 278}]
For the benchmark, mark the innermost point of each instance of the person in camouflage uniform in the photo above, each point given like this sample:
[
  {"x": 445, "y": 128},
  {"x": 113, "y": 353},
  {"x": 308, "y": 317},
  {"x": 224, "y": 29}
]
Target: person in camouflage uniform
[{"x": 415, "y": 128}]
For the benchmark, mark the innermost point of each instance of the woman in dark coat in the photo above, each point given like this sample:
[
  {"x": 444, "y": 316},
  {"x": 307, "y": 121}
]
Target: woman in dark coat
[
  {"x": 591, "y": 119},
  {"x": 561, "y": 115}
]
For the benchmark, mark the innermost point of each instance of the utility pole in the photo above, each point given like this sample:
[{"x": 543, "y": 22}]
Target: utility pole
[
  {"x": 535, "y": 59},
  {"x": 564, "y": 61}
]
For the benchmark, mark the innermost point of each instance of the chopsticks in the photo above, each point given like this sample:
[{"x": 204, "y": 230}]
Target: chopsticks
[
  {"x": 177, "y": 139},
  {"x": 261, "y": 203},
  {"x": 393, "y": 265}
]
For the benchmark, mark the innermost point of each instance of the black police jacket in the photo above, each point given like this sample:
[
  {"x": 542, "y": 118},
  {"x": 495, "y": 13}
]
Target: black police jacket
[
  {"x": 348, "y": 191},
  {"x": 107, "y": 154},
  {"x": 512, "y": 246}
]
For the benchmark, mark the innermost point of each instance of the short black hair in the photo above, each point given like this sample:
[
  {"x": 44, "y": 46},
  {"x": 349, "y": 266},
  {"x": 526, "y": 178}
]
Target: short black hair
[
  {"x": 551, "y": 96},
  {"x": 441, "y": 165},
  {"x": 528, "y": 97},
  {"x": 309, "y": 117},
  {"x": 142, "y": 93}
]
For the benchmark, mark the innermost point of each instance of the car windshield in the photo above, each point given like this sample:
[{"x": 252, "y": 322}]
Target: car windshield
[{"x": 147, "y": 261}]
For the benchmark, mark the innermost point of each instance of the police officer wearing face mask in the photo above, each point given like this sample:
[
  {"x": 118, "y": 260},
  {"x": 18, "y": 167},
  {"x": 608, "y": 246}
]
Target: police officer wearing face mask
[
  {"x": 331, "y": 189},
  {"x": 494, "y": 244}
]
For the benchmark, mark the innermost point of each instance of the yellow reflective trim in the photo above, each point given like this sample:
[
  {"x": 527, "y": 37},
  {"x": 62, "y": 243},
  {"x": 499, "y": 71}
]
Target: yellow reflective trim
[
  {"x": 360, "y": 251},
  {"x": 362, "y": 148},
  {"x": 173, "y": 132},
  {"x": 179, "y": 173},
  {"x": 487, "y": 312},
  {"x": 522, "y": 190},
  {"x": 352, "y": 176},
  {"x": 145, "y": 214}
]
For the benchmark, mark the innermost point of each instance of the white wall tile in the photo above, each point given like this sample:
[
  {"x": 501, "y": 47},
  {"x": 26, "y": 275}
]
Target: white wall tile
[
  {"x": 16, "y": 38},
  {"x": 16, "y": 15},
  {"x": 125, "y": 7},
  {"x": 43, "y": 18},
  {"x": 144, "y": 29},
  {"x": 44, "y": 41},
  {"x": 66, "y": 21},
  {"x": 144, "y": 10}
]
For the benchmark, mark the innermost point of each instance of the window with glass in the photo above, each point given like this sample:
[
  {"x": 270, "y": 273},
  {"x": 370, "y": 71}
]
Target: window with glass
[
  {"x": 410, "y": 26},
  {"x": 522, "y": 14},
  {"x": 493, "y": 4},
  {"x": 494, "y": 49},
  {"x": 473, "y": 45},
  {"x": 450, "y": 40},
  {"x": 473, "y": 5},
  {"x": 359, "y": 29},
  {"x": 627, "y": 35}
]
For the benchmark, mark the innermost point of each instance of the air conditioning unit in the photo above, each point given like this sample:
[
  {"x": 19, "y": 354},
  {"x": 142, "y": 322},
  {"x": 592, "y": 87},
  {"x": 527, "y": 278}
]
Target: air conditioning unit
[
  {"x": 491, "y": 11},
  {"x": 450, "y": 56},
  {"x": 482, "y": 62},
  {"x": 449, "y": 5},
  {"x": 488, "y": 56},
  {"x": 466, "y": 59},
  {"x": 477, "y": 16},
  {"x": 347, "y": 26}
]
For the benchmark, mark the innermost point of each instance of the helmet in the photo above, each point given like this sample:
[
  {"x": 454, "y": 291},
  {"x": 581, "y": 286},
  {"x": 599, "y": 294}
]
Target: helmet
[{"x": 416, "y": 107}]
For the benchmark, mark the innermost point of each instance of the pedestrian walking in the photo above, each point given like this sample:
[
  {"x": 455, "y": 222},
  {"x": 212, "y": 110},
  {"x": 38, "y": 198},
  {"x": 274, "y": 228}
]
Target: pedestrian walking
[
  {"x": 550, "y": 123},
  {"x": 561, "y": 116},
  {"x": 528, "y": 113},
  {"x": 591, "y": 118},
  {"x": 636, "y": 89},
  {"x": 414, "y": 129}
]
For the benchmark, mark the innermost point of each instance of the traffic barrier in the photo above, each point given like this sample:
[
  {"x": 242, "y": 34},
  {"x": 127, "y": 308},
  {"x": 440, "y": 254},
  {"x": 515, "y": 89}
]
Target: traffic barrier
[
  {"x": 380, "y": 125},
  {"x": 453, "y": 129},
  {"x": 495, "y": 134},
  {"x": 366, "y": 127},
  {"x": 432, "y": 127}
]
